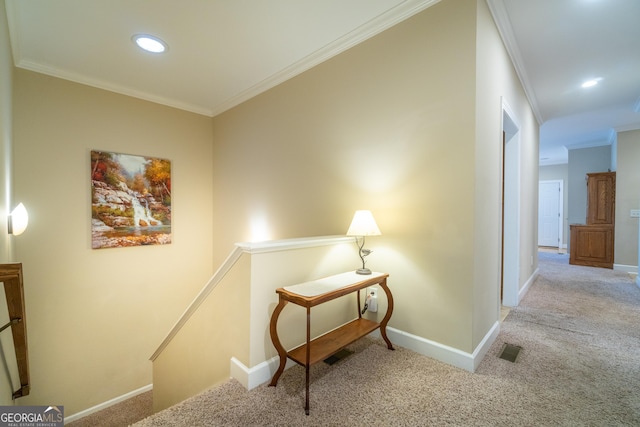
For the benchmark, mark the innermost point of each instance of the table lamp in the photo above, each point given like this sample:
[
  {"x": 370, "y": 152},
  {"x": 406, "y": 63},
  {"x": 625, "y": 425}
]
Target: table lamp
[{"x": 363, "y": 224}]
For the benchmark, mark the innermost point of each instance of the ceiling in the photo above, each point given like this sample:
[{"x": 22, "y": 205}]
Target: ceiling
[
  {"x": 222, "y": 53},
  {"x": 556, "y": 45}
]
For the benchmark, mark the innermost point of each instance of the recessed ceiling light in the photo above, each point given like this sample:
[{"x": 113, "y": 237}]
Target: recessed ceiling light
[
  {"x": 590, "y": 83},
  {"x": 150, "y": 43}
]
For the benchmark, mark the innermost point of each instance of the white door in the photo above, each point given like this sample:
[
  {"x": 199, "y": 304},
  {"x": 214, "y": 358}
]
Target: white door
[{"x": 549, "y": 213}]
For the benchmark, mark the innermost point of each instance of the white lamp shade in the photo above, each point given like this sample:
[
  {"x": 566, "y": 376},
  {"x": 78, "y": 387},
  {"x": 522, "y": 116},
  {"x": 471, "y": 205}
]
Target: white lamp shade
[
  {"x": 363, "y": 224},
  {"x": 18, "y": 220}
]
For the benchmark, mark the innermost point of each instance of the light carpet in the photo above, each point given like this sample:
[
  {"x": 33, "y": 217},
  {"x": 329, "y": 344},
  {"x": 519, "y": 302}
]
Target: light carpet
[{"x": 579, "y": 366}]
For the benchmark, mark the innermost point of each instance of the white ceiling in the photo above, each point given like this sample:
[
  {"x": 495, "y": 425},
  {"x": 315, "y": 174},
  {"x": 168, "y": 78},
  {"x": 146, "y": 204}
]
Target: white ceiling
[
  {"x": 556, "y": 45},
  {"x": 223, "y": 52}
]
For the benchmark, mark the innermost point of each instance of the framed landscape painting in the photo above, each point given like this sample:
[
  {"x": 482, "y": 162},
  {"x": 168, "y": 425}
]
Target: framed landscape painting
[{"x": 130, "y": 200}]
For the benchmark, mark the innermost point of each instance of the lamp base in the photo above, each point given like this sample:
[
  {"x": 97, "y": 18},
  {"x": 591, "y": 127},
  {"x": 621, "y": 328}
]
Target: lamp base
[{"x": 363, "y": 271}]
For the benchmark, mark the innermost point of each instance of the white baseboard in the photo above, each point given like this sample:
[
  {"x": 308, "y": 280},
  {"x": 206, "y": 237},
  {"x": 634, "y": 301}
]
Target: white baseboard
[
  {"x": 631, "y": 269},
  {"x": 251, "y": 378},
  {"x": 449, "y": 355},
  {"x": 108, "y": 403},
  {"x": 527, "y": 285}
]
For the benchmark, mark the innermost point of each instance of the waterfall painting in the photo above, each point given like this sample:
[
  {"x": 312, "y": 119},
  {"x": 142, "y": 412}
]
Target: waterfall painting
[{"x": 130, "y": 200}]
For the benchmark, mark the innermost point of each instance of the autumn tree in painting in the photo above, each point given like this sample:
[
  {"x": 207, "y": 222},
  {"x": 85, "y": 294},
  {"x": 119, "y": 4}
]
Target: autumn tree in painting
[
  {"x": 138, "y": 184},
  {"x": 158, "y": 173},
  {"x": 104, "y": 168}
]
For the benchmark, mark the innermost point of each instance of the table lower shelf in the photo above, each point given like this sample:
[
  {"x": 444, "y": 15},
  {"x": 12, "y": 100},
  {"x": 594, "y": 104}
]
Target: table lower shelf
[{"x": 328, "y": 344}]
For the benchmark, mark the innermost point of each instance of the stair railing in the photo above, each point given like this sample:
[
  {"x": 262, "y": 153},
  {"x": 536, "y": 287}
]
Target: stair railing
[{"x": 11, "y": 276}]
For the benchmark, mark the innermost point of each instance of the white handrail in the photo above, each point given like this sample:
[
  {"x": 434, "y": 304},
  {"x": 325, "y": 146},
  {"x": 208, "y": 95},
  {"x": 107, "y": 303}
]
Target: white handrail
[
  {"x": 199, "y": 299},
  {"x": 251, "y": 248}
]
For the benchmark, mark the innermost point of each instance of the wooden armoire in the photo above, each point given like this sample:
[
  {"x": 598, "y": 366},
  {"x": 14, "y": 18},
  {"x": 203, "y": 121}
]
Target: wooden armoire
[{"x": 592, "y": 244}]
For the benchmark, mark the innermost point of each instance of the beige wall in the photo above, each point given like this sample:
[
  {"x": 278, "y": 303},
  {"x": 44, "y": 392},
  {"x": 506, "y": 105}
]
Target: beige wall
[
  {"x": 627, "y": 198},
  {"x": 6, "y": 80},
  {"x": 275, "y": 269},
  {"x": 399, "y": 124},
  {"x": 199, "y": 354},
  {"x": 96, "y": 316},
  {"x": 386, "y": 126},
  {"x": 497, "y": 83},
  {"x": 389, "y": 125},
  {"x": 6, "y": 243},
  {"x": 234, "y": 320}
]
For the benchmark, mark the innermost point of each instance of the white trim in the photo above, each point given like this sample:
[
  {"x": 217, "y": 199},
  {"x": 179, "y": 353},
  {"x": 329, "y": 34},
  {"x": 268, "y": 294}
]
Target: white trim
[
  {"x": 289, "y": 244},
  {"x": 481, "y": 350},
  {"x": 527, "y": 285},
  {"x": 199, "y": 299},
  {"x": 111, "y": 86},
  {"x": 590, "y": 144},
  {"x": 397, "y": 14},
  {"x": 511, "y": 208},
  {"x": 503, "y": 24},
  {"x": 393, "y": 16},
  {"x": 631, "y": 269},
  {"x": 638, "y": 281},
  {"x": 251, "y": 248},
  {"x": 444, "y": 353},
  {"x": 251, "y": 378},
  {"x": 626, "y": 128},
  {"x": 107, "y": 404}
]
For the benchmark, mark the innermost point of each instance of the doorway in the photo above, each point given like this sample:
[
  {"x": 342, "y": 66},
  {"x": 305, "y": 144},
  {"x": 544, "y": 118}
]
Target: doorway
[
  {"x": 550, "y": 214},
  {"x": 510, "y": 283}
]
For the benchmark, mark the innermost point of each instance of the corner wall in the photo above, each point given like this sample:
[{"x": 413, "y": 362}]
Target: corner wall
[
  {"x": 198, "y": 356},
  {"x": 6, "y": 183},
  {"x": 496, "y": 83},
  {"x": 581, "y": 162},
  {"x": 627, "y": 198},
  {"x": 95, "y": 316},
  {"x": 388, "y": 126},
  {"x": 6, "y": 114}
]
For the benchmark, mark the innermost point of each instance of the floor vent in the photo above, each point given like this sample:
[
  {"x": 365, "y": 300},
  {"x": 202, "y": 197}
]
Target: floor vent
[
  {"x": 338, "y": 356},
  {"x": 510, "y": 352}
]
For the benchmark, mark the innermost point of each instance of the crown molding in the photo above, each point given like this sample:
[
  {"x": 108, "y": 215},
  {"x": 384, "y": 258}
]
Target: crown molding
[
  {"x": 111, "y": 87},
  {"x": 503, "y": 23},
  {"x": 384, "y": 21}
]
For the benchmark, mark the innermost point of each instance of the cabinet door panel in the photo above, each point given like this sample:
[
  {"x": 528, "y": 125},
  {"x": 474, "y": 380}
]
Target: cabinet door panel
[
  {"x": 592, "y": 245},
  {"x": 601, "y": 189}
]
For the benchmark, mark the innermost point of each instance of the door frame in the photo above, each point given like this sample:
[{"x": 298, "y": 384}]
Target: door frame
[{"x": 511, "y": 162}]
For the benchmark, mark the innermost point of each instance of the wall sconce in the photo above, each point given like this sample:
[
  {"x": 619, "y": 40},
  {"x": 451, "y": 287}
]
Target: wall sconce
[
  {"x": 18, "y": 220},
  {"x": 363, "y": 224}
]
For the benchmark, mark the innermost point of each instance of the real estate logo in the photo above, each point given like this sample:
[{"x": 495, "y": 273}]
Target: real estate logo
[{"x": 31, "y": 416}]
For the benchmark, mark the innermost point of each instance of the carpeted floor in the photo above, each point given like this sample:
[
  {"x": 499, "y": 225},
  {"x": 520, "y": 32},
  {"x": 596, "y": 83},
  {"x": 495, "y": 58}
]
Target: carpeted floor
[
  {"x": 119, "y": 415},
  {"x": 579, "y": 366}
]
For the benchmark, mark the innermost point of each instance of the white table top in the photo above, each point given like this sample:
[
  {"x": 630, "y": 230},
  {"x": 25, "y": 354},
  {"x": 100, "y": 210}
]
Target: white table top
[{"x": 329, "y": 284}]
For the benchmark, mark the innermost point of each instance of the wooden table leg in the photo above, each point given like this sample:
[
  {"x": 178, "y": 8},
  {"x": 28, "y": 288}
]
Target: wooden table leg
[
  {"x": 273, "y": 331},
  {"x": 387, "y": 316},
  {"x": 307, "y": 364}
]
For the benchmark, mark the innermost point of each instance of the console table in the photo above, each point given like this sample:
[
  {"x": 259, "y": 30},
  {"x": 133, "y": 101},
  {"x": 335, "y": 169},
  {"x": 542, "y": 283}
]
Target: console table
[{"x": 310, "y": 294}]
